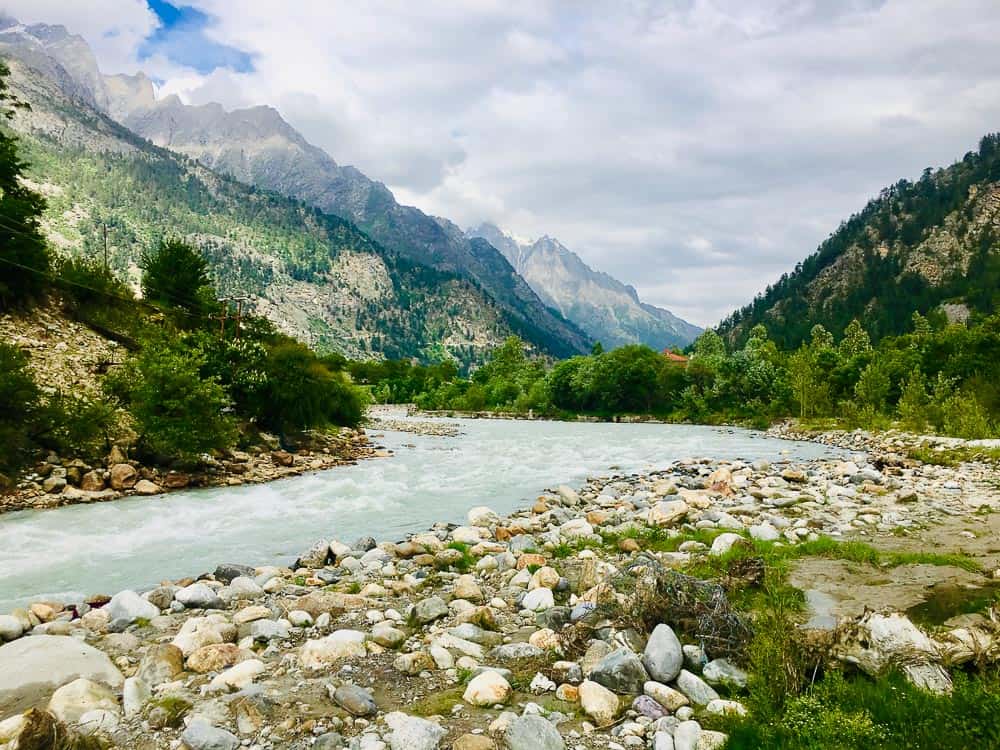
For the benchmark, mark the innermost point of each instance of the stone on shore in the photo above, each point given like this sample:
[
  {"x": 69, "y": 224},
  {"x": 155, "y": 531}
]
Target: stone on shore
[
  {"x": 413, "y": 733},
  {"x": 663, "y": 656},
  {"x": 200, "y": 735},
  {"x": 620, "y": 671},
  {"x": 355, "y": 700},
  {"x": 487, "y": 689},
  {"x": 598, "y": 702},
  {"x": 341, "y": 644},
  {"x": 532, "y": 733},
  {"x": 31, "y": 669},
  {"x": 127, "y": 607},
  {"x": 76, "y": 698}
]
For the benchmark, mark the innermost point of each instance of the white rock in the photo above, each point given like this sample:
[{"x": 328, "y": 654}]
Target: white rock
[
  {"x": 667, "y": 512},
  {"x": 341, "y": 644},
  {"x": 237, "y": 677},
  {"x": 128, "y": 606},
  {"x": 487, "y": 689},
  {"x": 578, "y": 527},
  {"x": 538, "y": 600},
  {"x": 725, "y": 542},
  {"x": 73, "y": 700},
  {"x": 598, "y": 702},
  {"x": 10, "y": 628},
  {"x": 721, "y": 707},
  {"x": 482, "y": 516}
]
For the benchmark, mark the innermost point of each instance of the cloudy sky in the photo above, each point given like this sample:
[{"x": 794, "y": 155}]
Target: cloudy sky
[{"x": 695, "y": 149}]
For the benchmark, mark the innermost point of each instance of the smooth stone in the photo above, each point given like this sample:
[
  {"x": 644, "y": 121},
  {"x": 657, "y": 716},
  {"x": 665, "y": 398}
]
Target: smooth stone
[
  {"x": 620, "y": 671},
  {"x": 724, "y": 672},
  {"x": 355, "y": 700},
  {"x": 340, "y": 644},
  {"x": 31, "y": 669},
  {"x": 598, "y": 702},
  {"x": 427, "y": 610},
  {"x": 76, "y": 698},
  {"x": 127, "y": 606},
  {"x": 487, "y": 689},
  {"x": 200, "y": 735},
  {"x": 696, "y": 689},
  {"x": 663, "y": 656},
  {"x": 686, "y": 735},
  {"x": 412, "y": 733},
  {"x": 199, "y": 596},
  {"x": 532, "y": 733}
]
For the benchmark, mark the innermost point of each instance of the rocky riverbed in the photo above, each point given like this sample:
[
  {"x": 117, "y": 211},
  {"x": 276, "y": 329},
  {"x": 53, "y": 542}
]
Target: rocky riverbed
[
  {"x": 59, "y": 481},
  {"x": 543, "y": 629}
]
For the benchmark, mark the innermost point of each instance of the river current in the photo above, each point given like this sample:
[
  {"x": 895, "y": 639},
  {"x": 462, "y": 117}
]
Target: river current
[{"x": 67, "y": 553}]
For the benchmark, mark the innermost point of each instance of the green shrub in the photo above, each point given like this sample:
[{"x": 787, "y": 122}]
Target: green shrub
[
  {"x": 178, "y": 413},
  {"x": 176, "y": 275},
  {"x": 19, "y": 402}
]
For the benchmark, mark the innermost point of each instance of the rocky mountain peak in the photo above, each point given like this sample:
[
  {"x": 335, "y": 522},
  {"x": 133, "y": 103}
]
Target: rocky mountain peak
[{"x": 604, "y": 307}]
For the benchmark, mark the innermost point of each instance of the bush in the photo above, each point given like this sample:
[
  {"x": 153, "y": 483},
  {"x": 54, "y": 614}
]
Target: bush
[
  {"x": 965, "y": 417},
  {"x": 78, "y": 426},
  {"x": 179, "y": 414},
  {"x": 19, "y": 400},
  {"x": 88, "y": 283},
  {"x": 302, "y": 392}
]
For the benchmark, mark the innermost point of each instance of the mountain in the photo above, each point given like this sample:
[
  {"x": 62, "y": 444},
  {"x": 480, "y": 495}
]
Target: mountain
[
  {"x": 608, "y": 310},
  {"x": 317, "y": 276},
  {"x": 927, "y": 246},
  {"x": 315, "y": 273},
  {"x": 258, "y": 147}
]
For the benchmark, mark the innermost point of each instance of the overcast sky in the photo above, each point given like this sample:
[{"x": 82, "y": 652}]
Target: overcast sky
[{"x": 693, "y": 149}]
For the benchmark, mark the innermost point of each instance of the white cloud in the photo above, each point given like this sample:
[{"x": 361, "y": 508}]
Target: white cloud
[{"x": 694, "y": 148}]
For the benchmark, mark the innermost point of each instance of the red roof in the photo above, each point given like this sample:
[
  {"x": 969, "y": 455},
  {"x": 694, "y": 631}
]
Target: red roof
[{"x": 671, "y": 356}]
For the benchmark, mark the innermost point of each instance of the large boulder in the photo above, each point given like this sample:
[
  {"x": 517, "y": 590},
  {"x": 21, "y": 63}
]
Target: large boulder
[
  {"x": 123, "y": 477},
  {"x": 199, "y": 596},
  {"x": 31, "y": 669},
  {"x": 599, "y": 703},
  {"x": 696, "y": 689},
  {"x": 487, "y": 689},
  {"x": 667, "y": 513},
  {"x": 663, "y": 656},
  {"x": 878, "y": 642},
  {"x": 355, "y": 700}
]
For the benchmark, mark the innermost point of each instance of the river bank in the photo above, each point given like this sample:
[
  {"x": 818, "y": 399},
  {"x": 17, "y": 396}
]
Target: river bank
[
  {"x": 56, "y": 482},
  {"x": 522, "y": 630}
]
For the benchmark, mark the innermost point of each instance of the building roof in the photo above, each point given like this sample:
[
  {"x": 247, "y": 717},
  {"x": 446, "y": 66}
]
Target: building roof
[{"x": 674, "y": 357}]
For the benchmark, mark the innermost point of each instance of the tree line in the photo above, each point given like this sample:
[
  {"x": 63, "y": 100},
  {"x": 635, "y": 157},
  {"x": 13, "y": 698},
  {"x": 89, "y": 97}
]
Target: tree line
[{"x": 939, "y": 377}]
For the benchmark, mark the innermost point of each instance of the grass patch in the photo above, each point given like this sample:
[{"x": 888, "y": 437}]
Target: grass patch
[
  {"x": 467, "y": 561},
  {"x": 954, "y": 456},
  {"x": 848, "y": 712},
  {"x": 437, "y": 704}
]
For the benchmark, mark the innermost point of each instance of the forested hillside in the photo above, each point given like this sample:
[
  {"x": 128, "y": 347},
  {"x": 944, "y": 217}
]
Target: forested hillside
[
  {"x": 917, "y": 247},
  {"x": 316, "y": 276}
]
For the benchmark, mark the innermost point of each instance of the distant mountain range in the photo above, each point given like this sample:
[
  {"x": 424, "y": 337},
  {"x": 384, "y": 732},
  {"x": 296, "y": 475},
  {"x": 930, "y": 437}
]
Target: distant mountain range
[
  {"x": 931, "y": 246},
  {"x": 256, "y": 146},
  {"x": 608, "y": 310}
]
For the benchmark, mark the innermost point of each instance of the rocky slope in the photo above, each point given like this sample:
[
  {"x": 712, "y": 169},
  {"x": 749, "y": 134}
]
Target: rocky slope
[
  {"x": 256, "y": 146},
  {"x": 542, "y": 630},
  {"x": 316, "y": 276},
  {"x": 922, "y": 246},
  {"x": 610, "y": 311}
]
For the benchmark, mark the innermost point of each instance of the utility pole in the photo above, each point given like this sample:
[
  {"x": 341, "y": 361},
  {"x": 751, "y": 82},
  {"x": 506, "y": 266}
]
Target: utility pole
[{"x": 239, "y": 315}]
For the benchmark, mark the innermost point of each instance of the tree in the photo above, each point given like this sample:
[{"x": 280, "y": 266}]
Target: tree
[
  {"x": 856, "y": 341},
  {"x": 872, "y": 387},
  {"x": 912, "y": 406},
  {"x": 176, "y": 275},
  {"x": 302, "y": 392},
  {"x": 24, "y": 257},
  {"x": 806, "y": 381},
  {"x": 19, "y": 402},
  {"x": 178, "y": 413}
]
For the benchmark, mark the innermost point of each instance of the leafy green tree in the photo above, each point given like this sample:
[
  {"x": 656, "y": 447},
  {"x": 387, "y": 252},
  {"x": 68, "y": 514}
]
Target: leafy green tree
[
  {"x": 176, "y": 275},
  {"x": 806, "y": 380},
  {"x": 912, "y": 406},
  {"x": 24, "y": 256},
  {"x": 302, "y": 392},
  {"x": 872, "y": 388},
  {"x": 178, "y": 413},
  {"x": 856, "y": 341}
]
